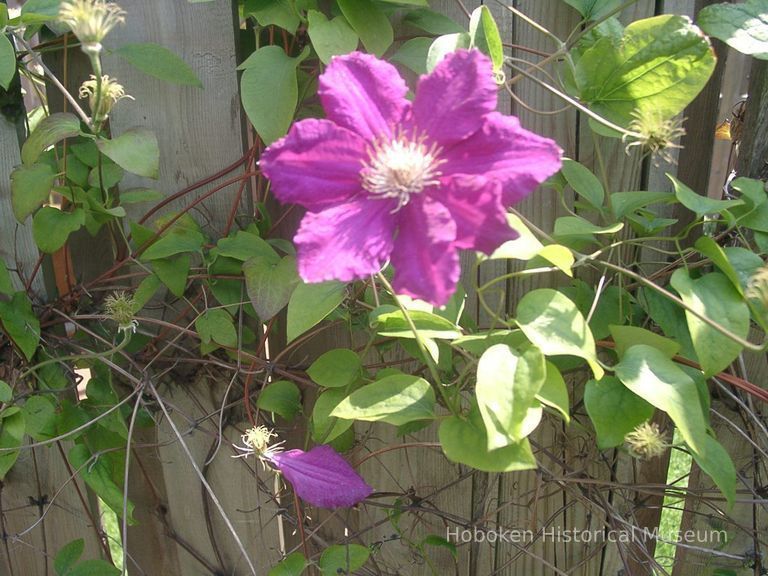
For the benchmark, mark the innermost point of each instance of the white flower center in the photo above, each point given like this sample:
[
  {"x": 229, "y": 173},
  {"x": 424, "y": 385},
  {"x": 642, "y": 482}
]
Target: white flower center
[{"x": 400, "y": 167}]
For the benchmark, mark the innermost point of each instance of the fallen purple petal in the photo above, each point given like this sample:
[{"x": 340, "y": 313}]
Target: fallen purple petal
[{"x": 321, "y": 477}]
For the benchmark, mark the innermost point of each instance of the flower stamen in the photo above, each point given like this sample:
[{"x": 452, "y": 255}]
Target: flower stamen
[{"x": 398, "y": 168}]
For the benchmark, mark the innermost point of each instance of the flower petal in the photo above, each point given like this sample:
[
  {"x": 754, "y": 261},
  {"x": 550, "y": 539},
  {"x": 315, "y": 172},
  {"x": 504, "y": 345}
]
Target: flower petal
[
  {"x": 317, "y": 164},
  {"x": 345, "y": 242},
  {"x": 363, "y": 94},
  {"x": 505, "y": 151},
  {"x": 475, "y": 206},
  {"x": 452, "y": 100},
  {"x": 425, "y": 260},
  {"x": 322, "y": 478}
]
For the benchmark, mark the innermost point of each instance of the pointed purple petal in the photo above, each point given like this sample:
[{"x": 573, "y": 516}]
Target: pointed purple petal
[
  {"x": 426, "y": 262},
  {"x": 345, "y": 242},
  {"x": 363, "y": 94},
  {"x": 475, "y": 205},
  {"x": 322, "y": 478},
  {"x": 503, "y": 150},
  {"x": 452, "y": 100},
  {"x": 315, "y": 165}
]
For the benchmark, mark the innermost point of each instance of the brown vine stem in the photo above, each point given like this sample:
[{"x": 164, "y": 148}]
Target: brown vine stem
[{"x": 397, "y": 447}]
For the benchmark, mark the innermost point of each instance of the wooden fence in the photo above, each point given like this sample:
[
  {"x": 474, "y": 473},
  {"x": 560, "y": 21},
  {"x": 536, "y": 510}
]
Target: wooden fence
[{"x": 179, "y": 530}]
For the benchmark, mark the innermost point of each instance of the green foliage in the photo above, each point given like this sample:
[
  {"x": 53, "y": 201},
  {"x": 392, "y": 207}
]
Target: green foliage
[
  {"x": 158, "y": 61},
  {"x": 594, "y": 9},
  {"x": 7, "y": 62},
  {"x": 20, "y": 323},
  {"x": 330, "y": 37},
  {"x": 484, "y": 35},
  {"x": 614, "y": 410},
  {"x": 343, "y": 559},
  {"x": 12, "y": 426},
  {"x": 741, "y": 26},
  {"x": 281, "y": 397},
  {"x": 336, "y": 368},
  {"x": 659, "y": 66},
  {"x": 31, "y": 186},
  {"x": 396, "y": 400},
  {"x": 553, "y": 323},
  {"x": 270, "y": 91},
  {"x": 291, "y": 565},
  {"x": 370, "y": 24},
  {"x": 270, "y": 282},
  {"x": 48, "y": 132},
  {"x": 135, "y": 150},
  {"x": 310, "y": 304}
]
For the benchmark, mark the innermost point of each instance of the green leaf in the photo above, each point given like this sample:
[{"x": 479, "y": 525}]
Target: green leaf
[
  {"x": 627, "y": 336},
  {"x": 370, "y": 23},
  {"x": 7, "y": 62},
  {"x": 465, "y": 441},
  {"x": 145, "y": 291},
  {"x": 484, "y": 35},
  {"x": 741, "y": 26},
  {"x": 281, "y": 397},
  {"x": 651, "y": 375},
  {"x": 526, "y": 247},
  {"x": 51, "y": 227},
  {"x": 583, "y": 182},
  {"x": 270, "y": 91},
  {"x": 578, "y": 226},
  {"x": 20, "y": 323},
  {"x": 135, "y": 150},
  {"x": 246, "y": 245},
  {"x": 594, "y": 9},
  {"x": 614, "y": 410},
  {"x": 554, "y": 392},
  {"x": 432, "y": 22},
  {"x": 216, "y": 325},
  {"x": 280, "y": 13},
  {"x": 507, "y": 384},
  {"x": 310, "y": 304},
  {"x": 330, "y": 37},
  {"x": 6, "y": 284},
  {"x": 40, "y": 11},
  {"x": 49, "y": 131},
  {"x": 553, "y": 323},
  {"x": 176, "y": 240},
  {"x": 324, "y": 426},
  {"x": 699, "y": 204},
  {"x": 105, "y": 176},
  {"x": 714, "y": 297},
  {"x": 396, "y": 400},
  {"x": 444, "y": 45},
  {"x": 6, "y": 393},
  {"x": 40, "y": 417},
  {"x": 336, "y": 368},
  {"x": 413, "y": 54},
  {"x": 30, "y": 187},
  {"x": 716, "y": 462},
  {"x": 11, "y": 435},
  {"x": 173, "y": 272},
  {"x": 712, "y": 250},
  {"x": 98, "y": 476},
  {"x": 345, "y": 559},
  {"x": 95, "y": 567},
  {"x": 390, "y": 321},
  {"x": 440, "y": 542},
  {"x": 291, "y": 565},
  {"x": 68, "y": 556},
  {"x": 158, "y": 61},
  {"x": 270, "y": 284},
  {"x": 624, "y": 203},
  {"x": 657, "y": 69}
]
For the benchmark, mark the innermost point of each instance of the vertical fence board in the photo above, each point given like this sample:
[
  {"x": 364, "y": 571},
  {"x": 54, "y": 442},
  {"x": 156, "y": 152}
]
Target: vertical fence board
[{"x": 199, "y": 130}]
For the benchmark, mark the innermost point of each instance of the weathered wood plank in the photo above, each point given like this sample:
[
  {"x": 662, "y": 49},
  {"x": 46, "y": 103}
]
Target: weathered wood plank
[{"x": 199, "y": 130}]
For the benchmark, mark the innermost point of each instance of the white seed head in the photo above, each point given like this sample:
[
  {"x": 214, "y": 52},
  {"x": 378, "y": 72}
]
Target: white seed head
[{"x": 91, "y": 20}]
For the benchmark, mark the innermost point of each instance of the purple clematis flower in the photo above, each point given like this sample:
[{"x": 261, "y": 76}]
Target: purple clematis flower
[
  {"x": 321, "y": 477},
  {"x": 383, "y": 178}
]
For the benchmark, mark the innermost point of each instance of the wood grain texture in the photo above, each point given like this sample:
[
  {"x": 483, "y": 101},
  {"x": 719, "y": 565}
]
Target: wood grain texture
[{"x": 199, "y": 130}]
